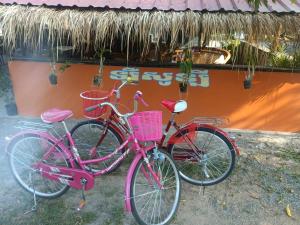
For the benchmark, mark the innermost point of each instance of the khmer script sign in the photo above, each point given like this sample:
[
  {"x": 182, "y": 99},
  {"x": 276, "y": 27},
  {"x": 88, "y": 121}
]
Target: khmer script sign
[{"x": 198, "y": 78}]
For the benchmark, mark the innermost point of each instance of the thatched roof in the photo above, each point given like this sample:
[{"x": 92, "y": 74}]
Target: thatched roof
[{"x": 91, "y": 27}]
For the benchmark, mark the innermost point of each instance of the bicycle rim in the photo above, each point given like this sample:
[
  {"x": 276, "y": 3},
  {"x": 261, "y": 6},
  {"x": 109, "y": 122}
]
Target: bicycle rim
[
  {"x": 87, "y": 135},
  {"x": 150, "y": 204},
  {"x": 29, "y": 150},
  {"x": 211, "y": 164}
]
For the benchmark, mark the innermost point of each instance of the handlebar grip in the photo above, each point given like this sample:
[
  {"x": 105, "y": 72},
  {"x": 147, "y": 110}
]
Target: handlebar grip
[
  {"x": 91, "y": 108},
  {"x": 144, "y": 102},
  {"x": 138, "y": 96},
  {"x": 129, "y": 80}
]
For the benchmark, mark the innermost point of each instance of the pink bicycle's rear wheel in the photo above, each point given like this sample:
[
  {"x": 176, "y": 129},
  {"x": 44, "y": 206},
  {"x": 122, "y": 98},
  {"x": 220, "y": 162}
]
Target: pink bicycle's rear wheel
[{"x": 29, "y": 149}]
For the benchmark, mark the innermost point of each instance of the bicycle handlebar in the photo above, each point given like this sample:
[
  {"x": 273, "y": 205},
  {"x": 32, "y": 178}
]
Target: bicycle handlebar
[
  {"x": 137, "y": 97},
  {"x": 116, "y": 91},
  {"x": 91, "y": 108}
]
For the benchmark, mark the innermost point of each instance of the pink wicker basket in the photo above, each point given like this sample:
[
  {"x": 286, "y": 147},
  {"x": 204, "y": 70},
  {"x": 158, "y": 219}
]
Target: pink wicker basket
[
  {"x": 91, "y": 98},
  {"x": 147, "y": 125}
]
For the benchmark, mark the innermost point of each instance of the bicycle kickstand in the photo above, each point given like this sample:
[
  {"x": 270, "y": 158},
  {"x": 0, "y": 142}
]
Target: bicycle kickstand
[
  {"x": 203, "y": 190},
  {"x": 82, "y": 202},
  {"x": 34, "y": 207}
]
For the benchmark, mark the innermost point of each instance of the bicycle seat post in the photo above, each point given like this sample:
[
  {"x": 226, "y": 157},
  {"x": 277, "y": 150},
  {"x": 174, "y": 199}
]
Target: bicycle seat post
[
  {"x": 70, "y": 139},
  {"x": 65, "y": 126}
]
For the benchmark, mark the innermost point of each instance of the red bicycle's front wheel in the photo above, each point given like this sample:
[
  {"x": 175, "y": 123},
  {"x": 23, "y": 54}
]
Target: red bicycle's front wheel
[{"x": 87, "y": 134}]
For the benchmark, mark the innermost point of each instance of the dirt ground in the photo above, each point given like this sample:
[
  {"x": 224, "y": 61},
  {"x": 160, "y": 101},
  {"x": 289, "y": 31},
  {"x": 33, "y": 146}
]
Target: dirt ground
[{"x": 266, "y": 179}]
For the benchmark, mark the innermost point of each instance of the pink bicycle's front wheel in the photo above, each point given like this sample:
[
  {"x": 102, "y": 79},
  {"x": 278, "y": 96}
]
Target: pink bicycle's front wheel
[{"x": 150, "y": 203}]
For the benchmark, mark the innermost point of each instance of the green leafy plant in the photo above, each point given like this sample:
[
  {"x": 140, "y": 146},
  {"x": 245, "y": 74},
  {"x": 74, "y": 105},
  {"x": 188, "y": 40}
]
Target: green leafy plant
[
  {"x": 296, "y": 59},
  {"x": 53, "y": 74},
  {"x": 283, "y": 59},
  {"x": 257, "y": 3},
  {"x": 53, "y": 55},
  {"x": 249, "y": 76},
  {"x": 98, "y": 78},
  {"x": 64, "y": 66},
  {"x": 185, "y": 67}
]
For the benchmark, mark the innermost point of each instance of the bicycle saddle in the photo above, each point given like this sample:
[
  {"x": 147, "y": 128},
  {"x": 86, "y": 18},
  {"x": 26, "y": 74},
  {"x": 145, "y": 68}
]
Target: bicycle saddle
[
  {"x": 56, "y": 115},
  {"x": 174, "y": 106}
]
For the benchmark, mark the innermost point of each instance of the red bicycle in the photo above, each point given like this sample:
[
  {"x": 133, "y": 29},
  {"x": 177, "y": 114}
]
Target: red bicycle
[{"x": 205, "y": 154}]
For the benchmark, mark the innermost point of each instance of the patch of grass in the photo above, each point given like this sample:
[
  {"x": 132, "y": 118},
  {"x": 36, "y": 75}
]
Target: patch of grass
[
  {"x": 110, "y": 191},
  {"x": 288, "y": 154},
  {"x": 117, "y": 216},
  {"x": 50, "y": 212}
]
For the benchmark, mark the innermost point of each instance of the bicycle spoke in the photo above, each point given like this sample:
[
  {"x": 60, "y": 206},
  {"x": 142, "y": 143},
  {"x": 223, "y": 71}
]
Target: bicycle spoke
[
  {"x": 98, "y": 135},
  {"x": 215, "y": 167},
  {"x": 29, "y": 150},
  {"x": 154, "y": 205},
  {"x": 159, "y": 206},
  {"x": 211, "y": 164}
]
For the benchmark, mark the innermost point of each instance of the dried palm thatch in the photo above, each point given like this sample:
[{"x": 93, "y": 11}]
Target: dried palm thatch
[{"x": 84, "y": 29}]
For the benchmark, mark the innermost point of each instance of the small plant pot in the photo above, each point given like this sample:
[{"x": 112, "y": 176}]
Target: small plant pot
[
  {"x": 183, "y": 87},
  {"x": 247, "y": 84},
  {"x": 11, "y": 109},
  {"x": 53, "y": 79},
  {"x": 97, "y": 80}
]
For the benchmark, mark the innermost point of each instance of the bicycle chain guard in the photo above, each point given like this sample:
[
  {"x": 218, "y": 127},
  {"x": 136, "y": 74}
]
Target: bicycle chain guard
[{"x": 70, "y": 176}]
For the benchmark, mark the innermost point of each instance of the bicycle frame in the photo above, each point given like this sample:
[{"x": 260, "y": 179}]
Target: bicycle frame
[
  {"x": 114, "y": 122},
  {"x": 62, "y": 173}
]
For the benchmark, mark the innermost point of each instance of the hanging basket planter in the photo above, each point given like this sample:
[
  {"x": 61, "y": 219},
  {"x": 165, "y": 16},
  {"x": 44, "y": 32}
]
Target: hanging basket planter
[
  {"x": 53, "y": 75},
  {"x": 247, "y": 84},
  {"x": 97, "y": 80},
  {"x": 53, "y": 79},
  {"x": 183, "y": 87}
]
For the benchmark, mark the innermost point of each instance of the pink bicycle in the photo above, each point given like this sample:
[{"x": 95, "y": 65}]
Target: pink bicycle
[
  {"x": 47, "y": 167},
  {"x": 204, "y": 154}
]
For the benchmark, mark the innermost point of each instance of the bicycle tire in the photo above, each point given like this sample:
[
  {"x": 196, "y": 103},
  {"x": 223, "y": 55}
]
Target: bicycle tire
[
  {"x": 198, "y": 169},
  {"x": 22, "y": 156},
  {"x": 170, "y": 195},
  {"x": 89, "y": 140}
]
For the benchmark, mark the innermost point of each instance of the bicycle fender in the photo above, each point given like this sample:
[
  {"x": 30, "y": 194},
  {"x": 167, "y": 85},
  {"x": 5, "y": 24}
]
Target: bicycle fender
[
  {"x": 115, "y": 127},
  {"x": 128, "y": 181},
  {"x": 193, "y": 127},
  {"x": 41, "y": 134}
]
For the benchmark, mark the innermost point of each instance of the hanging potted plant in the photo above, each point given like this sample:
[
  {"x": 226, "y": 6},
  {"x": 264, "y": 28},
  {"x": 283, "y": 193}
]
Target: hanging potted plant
[
  {"x": 53, "y": 74},
  {"x": 185, "y": 67},
  {"x": 98, "y": 78},
  {"x": 249, "y": 77}
]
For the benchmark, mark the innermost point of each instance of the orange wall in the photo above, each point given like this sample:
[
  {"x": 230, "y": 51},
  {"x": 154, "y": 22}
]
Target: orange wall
[{"x": 273, "y": 102}]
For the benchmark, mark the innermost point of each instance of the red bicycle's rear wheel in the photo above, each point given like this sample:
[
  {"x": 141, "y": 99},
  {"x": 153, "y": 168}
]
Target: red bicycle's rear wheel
[{"x": 204, "y": 156}]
